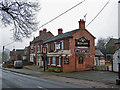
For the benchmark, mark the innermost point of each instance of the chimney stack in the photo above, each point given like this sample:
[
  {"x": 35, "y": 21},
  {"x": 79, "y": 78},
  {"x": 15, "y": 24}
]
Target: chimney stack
[
  {"x": 40, "y": 32},
  {"x": 82, "y": 24},
  {"x": 60, "y": 31},
  {"x": 44, "y": 30}
]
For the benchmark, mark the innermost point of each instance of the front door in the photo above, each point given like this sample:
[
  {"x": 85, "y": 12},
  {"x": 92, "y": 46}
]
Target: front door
[{"x": 79, "y": 62}]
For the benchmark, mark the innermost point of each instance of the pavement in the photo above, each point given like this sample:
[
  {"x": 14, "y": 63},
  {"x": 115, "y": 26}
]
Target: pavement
[{"x": 89, "y": 79}]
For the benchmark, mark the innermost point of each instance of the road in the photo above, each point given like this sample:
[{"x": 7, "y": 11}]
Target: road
[{"x": 15, "y": 80}]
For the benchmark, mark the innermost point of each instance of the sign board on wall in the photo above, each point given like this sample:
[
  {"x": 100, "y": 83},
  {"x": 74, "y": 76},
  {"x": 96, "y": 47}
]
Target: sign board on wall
[
  {"x": 81, "y": 50},
  {"x": 82, "y": 42},
  {"x": 44, "y": 50}
]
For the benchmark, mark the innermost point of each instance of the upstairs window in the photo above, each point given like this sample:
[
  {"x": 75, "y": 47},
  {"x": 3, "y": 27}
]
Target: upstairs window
[
  {"x": 38, "y": 48},
  {"x": 41, "y": 48},
  {"x": 55, "y": 46},
  {"x": 34, "y": 48},
  {"x": 62, "y": 45}
]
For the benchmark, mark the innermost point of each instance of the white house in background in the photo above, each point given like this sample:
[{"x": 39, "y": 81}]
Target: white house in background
[
  {"x": 116, "y": 60},
  {"x": 99, "y": 58}
]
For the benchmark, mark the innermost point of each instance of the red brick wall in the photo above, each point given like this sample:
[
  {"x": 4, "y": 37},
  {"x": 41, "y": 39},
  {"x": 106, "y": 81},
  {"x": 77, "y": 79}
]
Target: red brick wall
[
  {"x": 88, "y": 57},
  {"x": 116, "y": 46}
]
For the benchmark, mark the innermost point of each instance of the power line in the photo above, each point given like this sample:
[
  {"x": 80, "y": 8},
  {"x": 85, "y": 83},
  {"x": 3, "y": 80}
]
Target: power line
[
  {"x": 62, "y": 14},
  {"x": 54, "y": 18},
  {"x": 97, "y": 14}
]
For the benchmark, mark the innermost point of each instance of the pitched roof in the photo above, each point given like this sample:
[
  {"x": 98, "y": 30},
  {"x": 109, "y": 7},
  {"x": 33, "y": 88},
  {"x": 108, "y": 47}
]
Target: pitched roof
[
  {"x": 20, "y": 51},
  {"x": 12, "y": 53},
  {"x": 98, "y": 53},
  {"x": 61, "y": 36},
  {"x": 117, "y": 41},
  {"x": 42, "y": 37}
]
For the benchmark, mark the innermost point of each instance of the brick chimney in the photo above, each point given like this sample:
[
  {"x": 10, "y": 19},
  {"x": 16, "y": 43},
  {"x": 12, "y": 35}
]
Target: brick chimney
[
  {"x": 44, "y": 30},
  {"x": 40, "y": 32},
  {"x": 60, "y": 31},
  {"x": 82, "y": 24}
]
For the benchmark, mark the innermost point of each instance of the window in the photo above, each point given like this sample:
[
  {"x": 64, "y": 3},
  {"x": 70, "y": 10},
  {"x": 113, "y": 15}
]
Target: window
[
  {"x": 41, "y": 48},
  {"x": 49, "y": 61},
  {"x": 80, "y": 60},
  {"x": 34, "y": 48},
  {"x": 38, "y": 48},
  {"x": 47, "y": 46},
  {"x": 62, "y": 45},
  {"x": 53, "y": 60},
  {"x": 38, "y": 59},
  {"x": 59, "y": 61},
  {"x": 55, "y": 46}
]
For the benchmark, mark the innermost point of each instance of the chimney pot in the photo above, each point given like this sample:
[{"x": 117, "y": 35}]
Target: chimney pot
[
  {"x": 82, "y": 24},
  {"x": 44, "y": 30},
  {"x": 40, "y": 32},
  {"x": 60, "y": 31}
]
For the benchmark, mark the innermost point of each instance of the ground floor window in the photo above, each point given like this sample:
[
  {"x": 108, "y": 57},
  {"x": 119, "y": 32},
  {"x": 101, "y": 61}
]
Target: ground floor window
[
  {"x": 59, "y": 61},
  {"x": 38, "y": 58},
  {"x": 48, "y": 60},
  {"x": 53, "y": 60}
]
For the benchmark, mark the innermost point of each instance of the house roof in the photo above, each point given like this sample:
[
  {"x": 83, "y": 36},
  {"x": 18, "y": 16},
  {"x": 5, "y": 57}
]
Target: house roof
[
  {"x": 98, "y": 53},
  {"x": 42, "y": 37},
  {"x": 20, "y": 51},
  {"x": 117, "y": 41},
  {"x": 61, "y": 36},
  {"x": 12, "y": 53}
]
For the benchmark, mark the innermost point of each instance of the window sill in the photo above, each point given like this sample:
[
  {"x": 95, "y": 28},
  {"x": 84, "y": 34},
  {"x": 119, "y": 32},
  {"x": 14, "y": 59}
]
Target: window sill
[
  {"x": 53, "y": 64},
  {"x": 59, "y": 65}
]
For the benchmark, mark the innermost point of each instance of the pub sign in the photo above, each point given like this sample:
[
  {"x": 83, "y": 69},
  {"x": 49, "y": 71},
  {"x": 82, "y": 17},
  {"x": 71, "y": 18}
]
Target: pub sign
[
  {"x": 44, "y": 50},
  {"x": 82, "y": 42}
]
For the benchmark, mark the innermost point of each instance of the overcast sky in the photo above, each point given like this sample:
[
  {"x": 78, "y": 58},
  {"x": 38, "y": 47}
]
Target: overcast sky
[{"x": 105, "y": 25}]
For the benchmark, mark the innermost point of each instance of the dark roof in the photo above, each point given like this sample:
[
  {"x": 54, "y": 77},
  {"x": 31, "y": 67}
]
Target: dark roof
[
  {"x": 12, "y": 53},
  {"x": 64, "y": 35},
  {"x": 117, "y": 41},
  {"x": 98, "y": 53},
  {"x": 61, "y": 36},
  {"x": 43, "y": 36},
  {"x": 20, "y": 51}
]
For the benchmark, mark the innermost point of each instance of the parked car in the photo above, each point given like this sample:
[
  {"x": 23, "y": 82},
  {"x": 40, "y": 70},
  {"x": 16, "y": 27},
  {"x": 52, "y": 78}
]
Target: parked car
[{"x": 18, "y": 64}]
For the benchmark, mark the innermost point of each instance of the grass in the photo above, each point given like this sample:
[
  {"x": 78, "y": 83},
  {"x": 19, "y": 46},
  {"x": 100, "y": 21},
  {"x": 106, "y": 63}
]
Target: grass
[{"x": 34, "y": 68}]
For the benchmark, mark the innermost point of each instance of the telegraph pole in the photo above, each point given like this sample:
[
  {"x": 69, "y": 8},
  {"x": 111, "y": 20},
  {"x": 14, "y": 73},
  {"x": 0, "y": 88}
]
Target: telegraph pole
[{"x": 3, "y": 54}]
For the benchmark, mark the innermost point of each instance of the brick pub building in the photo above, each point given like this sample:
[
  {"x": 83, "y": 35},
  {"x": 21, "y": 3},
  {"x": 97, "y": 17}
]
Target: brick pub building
[{"x": 71, "y": 51}]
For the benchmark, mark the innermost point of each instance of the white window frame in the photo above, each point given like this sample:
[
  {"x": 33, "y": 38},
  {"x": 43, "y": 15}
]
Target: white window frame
[
  {"x": 41, "y": 47},
  {"x": 62, "y": 45},
  {"x": 47, "y": 46},
  {"x": 38, "y": 48},
  {"x": 59, "y": 61},
  {"x": 35, "y": 49},
  {"x": 49, "y": 61},
  {"x": 53, "y": 64},
  {"x": 55, "y": 45}
]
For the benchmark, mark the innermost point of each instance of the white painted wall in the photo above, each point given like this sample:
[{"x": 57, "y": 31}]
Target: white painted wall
[{"x": 116, "y": 60}]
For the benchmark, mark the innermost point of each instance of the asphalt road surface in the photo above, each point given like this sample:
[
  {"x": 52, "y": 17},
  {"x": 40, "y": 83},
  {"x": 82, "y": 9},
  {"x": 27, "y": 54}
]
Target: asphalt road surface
[{"x": 15, "y": 80}]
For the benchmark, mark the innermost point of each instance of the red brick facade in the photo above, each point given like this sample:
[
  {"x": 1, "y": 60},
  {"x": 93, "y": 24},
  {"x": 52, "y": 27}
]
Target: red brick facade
[{"x": 69, "y": 50}]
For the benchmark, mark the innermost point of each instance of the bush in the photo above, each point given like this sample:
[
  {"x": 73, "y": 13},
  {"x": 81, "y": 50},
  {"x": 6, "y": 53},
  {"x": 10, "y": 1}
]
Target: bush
[{"x": 53, "y": 69}]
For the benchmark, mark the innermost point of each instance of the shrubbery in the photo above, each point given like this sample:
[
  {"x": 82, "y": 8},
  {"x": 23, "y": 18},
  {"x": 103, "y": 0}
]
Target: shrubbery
[{"x": 53, "y": 69}]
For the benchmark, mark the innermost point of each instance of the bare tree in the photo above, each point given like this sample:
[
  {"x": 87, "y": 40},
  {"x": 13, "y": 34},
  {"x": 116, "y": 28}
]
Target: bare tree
[{"x": 21, "y": 14}]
